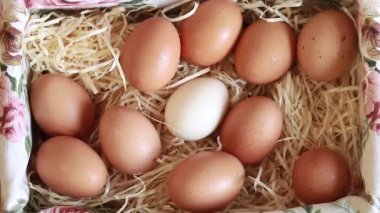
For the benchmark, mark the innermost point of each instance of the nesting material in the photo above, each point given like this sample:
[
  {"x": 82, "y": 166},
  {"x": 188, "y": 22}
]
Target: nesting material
[{"x": 84, "y": 46}]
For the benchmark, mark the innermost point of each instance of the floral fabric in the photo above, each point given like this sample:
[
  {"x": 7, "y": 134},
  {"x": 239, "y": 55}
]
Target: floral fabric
[
  {"x": 369, "y": 37},
  {"x": 15, "y": 139},
  {"x": 65, "y": 4},
  {"x": 65, "y": 209},
  {"x": 13, "y": 122}
]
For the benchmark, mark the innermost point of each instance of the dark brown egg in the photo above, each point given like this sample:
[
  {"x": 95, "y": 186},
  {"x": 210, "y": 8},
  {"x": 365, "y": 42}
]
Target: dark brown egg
[{"x": 321, "y": 175}]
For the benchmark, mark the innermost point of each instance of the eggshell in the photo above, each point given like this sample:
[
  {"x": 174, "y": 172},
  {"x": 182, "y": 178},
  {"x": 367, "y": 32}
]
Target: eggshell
[
  {"x": 129, "y": 140},
  {"x": 60, "y": 106},
  {"x": 265, "y": 52},
  {"x": 70, "y": 167},
  {"x": 321, "y": 175},
  {"x": 151, "y": 54},
  {"x": 251, "y": 128},
  {"x": 196, "y": 108},
  {"x": 206, "y": 182},
  {"x": 210, "y": 33},
  {"x": 327, "y": 46}
]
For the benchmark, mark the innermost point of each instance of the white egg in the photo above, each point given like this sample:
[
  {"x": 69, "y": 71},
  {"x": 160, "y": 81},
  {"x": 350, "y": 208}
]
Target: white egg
[{"x": 196, "y": 108}]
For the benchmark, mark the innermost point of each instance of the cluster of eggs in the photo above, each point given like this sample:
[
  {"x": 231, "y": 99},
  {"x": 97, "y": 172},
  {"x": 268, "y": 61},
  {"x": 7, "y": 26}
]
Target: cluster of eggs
[{"x": 209, "y": 180}]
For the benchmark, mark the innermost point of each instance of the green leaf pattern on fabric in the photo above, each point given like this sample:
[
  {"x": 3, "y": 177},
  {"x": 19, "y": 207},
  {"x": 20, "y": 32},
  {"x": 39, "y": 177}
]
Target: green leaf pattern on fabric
[
  {"x": 21, "y": 86},
  {"x": 28, "y": 145},
  {"x": 136, "y": 2},
  {"x": 308, "y": 208},
  {"x": 13, "y": 81}
]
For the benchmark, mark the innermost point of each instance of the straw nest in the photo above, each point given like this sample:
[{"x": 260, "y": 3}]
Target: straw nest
[{"x": 84, "y": 46}]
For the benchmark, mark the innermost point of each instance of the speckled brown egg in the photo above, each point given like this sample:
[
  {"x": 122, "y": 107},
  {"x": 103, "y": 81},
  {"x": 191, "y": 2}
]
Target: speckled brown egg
[
  {"x": 211, "y": 32},
  {"x": 321, "y": 175},
  {"x": 265, "y": 52},
  {"x": 151, "y": 54},
  {"x": 251, "y": 129},
  {"x": 129, "y": 140},
  {"x": 206, "y": 182},
  {"x": 327, "y": 46},
  {"x": 60, "y": 106},
  {"x": 70, "y": 167}
]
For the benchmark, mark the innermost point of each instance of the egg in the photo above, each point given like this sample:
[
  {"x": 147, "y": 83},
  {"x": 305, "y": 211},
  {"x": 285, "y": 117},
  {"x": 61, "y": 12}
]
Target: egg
[
  {"x": 327, "y": 46},
  {"x": 321, "y": 175},
  {"x": 251, "y": 129},
  {"x": 60, "y": 106},
  {"x": 196, "y": 108},
  {"x": 129, "y": 140},
  {"x": 70, "y": 167},
  {"x": 151, "y": 54},
  {"x": 206, "y": 182},
  {"x": 211, "y": 32},
  {"x": 265, "y": 52}
]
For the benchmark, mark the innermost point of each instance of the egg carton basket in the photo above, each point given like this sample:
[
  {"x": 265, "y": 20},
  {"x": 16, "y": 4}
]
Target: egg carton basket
[{"x": 15, "y": 119}]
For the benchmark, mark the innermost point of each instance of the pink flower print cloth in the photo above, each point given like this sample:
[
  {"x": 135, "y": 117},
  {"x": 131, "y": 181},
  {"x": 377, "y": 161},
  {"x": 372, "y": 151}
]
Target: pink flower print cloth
[
  {"x": 372, "y": 101},
  {"x": 65, "y": 209},
  {"x": 13, "y": 123}
]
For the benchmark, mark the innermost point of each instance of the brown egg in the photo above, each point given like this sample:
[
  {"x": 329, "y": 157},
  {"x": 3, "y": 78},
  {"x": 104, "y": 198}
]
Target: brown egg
[
  {"x": 265, "y": 52},
  {"x": 210, "y": 33},
  {"x": 70, "y": 167},
  {"x": 60, "y": 106},
  {"x": 327, "y": 46},
  {"x": 321, "y": 175},
  {"x": 251, "y": 128},
  {"x": 129, "y": 140},
  {"x": 206, "y": 181},
  {"x": 151, "y": 54}
]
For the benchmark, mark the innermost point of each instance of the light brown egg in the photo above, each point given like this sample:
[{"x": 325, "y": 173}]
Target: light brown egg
[
  {"x": 211, "y": 32},
  {"x": 321, "y": 175},
  {"x": 265, "y": 52},
  {"x": 70, "y": 167},
  {"x": 60, "y": 106},
  {"x": 251, "y": 129},
  {"x": 327, "y": 46},
  {"x": 151, "y": 54},
  {"x": 129, "y": 140},
  {"x": 206, "y": 181}
]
